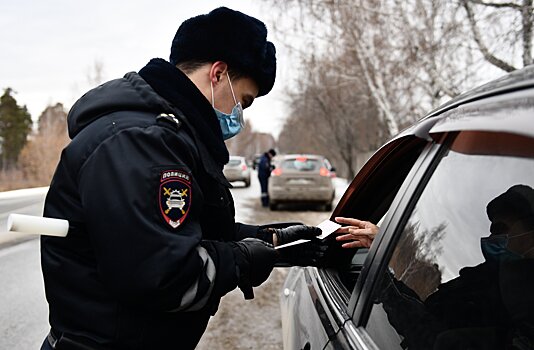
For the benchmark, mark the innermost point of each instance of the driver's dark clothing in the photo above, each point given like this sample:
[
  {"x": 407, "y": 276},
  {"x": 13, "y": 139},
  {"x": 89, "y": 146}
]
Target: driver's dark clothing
[{"x": 469, "y": 311}]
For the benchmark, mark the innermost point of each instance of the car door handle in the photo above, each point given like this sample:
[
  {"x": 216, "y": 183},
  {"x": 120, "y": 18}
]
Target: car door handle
[{"x": 288, "y": 292}]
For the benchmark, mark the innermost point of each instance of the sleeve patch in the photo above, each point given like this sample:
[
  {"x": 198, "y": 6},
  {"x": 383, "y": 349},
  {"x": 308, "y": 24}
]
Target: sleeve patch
[{"x": 174, "y": 196}]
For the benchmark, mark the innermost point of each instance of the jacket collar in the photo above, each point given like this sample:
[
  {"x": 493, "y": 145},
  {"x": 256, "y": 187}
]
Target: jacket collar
[{"x": 175, "y": 87}]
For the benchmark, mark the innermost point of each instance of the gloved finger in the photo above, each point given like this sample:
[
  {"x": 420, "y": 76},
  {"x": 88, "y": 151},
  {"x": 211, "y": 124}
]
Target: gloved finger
[
  {"x": 247, "y": 290},
  {"x": 309, "y": 232}
]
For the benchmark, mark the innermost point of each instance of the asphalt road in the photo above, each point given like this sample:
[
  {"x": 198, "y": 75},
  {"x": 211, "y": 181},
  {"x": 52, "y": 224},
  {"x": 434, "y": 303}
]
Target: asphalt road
[
  {"x": 23, "y": 309},
  {"x": 239, "y": 324}
]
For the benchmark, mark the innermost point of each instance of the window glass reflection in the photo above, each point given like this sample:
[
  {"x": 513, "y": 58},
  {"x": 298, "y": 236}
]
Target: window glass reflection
[{"x": 462, "y": 273}]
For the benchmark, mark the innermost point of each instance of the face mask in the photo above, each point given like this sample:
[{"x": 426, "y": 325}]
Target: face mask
[
  {"x": 496, "y": 248},
  {"x": 231, "y": 124}
]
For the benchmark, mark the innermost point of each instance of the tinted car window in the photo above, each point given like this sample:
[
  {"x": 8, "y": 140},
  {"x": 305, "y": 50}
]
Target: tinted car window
[
  {"x": 301, "y": 164},
  {"x": 461, "y": 272}
]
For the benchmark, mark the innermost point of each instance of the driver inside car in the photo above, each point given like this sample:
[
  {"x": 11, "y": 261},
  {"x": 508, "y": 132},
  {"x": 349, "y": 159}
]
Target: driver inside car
[{"x": 488, "y": 306}]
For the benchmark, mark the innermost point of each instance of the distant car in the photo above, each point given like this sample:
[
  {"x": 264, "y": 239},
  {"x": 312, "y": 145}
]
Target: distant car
[
  {"x": 237, "y": 170},
  {"x": 452, "y": 266},
  {"x": 301, "y": 178}
]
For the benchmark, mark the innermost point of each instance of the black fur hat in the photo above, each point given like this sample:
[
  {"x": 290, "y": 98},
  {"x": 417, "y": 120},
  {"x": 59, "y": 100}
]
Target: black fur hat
[{"x": 229, "y": 36}]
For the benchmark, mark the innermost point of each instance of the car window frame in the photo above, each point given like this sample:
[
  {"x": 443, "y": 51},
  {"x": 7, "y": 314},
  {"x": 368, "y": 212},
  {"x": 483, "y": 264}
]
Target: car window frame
[
  {"x": 393, "y": 227},
  {"x": 337, "y": 295},
  {"x": 404, "y": 200},
  {"x": 353, "y": 331}
]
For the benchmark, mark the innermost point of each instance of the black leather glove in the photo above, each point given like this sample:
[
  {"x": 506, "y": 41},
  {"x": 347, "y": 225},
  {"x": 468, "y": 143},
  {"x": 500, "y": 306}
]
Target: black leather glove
[
  {"x": 289, "y": 234},
  {"x": 255, "y": 259},
  {"x": 311, "y": 253}
]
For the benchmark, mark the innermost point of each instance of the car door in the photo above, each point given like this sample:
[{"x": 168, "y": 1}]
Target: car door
[
  {"x": 316, "y": 303},
  {"x": 432, "y": 281}
]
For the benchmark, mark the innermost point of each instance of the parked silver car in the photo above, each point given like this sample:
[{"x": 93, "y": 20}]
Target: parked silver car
[
  {"x": 301, "y": 178},
  {"x": 237, "y": 170}
]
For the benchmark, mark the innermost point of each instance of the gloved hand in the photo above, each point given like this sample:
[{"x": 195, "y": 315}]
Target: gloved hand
[
  {"x": 311, "y": 253},
  {"x": 289, "y": 234},
  {"x": 255, "y": 259}
]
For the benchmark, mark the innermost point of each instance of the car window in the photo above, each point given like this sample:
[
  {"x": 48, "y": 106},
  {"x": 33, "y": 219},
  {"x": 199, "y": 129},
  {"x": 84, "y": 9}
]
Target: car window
[
  {"x": 461, "y": 274},
  {"x": 234, "y": 162},
  {"x": 300, "y": 164},
  {"x": 369, "y": 197}
]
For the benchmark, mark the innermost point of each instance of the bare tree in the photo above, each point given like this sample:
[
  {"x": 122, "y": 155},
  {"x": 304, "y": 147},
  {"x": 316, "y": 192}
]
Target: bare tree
[
  {"x": 249, "y": 142},
  {"x": 333, "y": 117},
  {"x": 391, "y": 60},
  {"x": 514, "y": 23},
  {"x": 95, "y": 73},
  {"x": 405, "y": 52},
  {"x": 41, "y": 154}
]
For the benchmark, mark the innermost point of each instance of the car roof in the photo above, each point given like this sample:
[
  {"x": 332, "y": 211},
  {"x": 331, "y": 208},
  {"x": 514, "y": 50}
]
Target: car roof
[
  {"x": 485, "y": 108},
  {"x": 289, "y": 156}
]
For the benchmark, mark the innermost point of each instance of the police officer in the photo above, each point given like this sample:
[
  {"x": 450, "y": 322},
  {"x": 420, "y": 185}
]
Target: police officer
[
  {"x": 153, "y": 244},
  {"x": 264, "y": 172}
]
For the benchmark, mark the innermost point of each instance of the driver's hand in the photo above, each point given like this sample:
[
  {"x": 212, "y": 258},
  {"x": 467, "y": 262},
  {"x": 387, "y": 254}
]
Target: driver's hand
[{"x": 359, "y": 233}]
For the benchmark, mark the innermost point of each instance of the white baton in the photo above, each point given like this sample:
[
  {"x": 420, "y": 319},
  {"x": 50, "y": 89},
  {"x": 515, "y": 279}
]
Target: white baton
[{"x": 37, "y": 225}]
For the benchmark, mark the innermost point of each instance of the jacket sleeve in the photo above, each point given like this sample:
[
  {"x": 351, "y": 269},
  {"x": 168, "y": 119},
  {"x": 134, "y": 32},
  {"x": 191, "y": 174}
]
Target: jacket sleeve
[
  {"x": 243, "y": 231},
  {"x": 139, "y": 256}
]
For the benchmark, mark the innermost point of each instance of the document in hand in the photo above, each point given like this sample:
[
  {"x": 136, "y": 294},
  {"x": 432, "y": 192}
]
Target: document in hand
[{"x": 327, "y": 227}]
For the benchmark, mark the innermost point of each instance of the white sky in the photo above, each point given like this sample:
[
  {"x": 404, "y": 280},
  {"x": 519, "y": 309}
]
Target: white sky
[{"x": 49, "y": 47}]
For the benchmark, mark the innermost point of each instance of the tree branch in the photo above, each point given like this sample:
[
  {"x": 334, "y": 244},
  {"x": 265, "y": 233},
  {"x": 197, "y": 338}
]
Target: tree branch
[
  {"x": 526, "y": 17},
  {"x": 497, "y": 4},
  {"x": 481, "y": 46}
]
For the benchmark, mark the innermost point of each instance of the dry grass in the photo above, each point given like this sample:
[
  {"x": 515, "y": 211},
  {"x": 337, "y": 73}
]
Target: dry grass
[{"x": 14, "y": 179}]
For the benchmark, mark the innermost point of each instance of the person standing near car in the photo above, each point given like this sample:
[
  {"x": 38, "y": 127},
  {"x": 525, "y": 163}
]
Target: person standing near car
[
  {"x": 153, "y": 244},
  {"x": 264, "y": 171}
]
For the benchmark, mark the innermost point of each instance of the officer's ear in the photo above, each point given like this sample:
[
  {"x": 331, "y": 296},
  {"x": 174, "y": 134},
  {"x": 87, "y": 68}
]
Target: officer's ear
[{"x": 217, "y": 72}]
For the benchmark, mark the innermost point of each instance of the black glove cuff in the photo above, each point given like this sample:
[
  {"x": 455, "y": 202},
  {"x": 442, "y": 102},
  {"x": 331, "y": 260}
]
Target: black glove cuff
[
  {"x": 241, "y": 261},
  {"x": 266, "y": 235}
]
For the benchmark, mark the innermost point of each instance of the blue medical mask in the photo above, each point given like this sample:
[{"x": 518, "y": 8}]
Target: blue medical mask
[
  {"x": 233, "y": 123},
  {"x": 495, "y": 248}
]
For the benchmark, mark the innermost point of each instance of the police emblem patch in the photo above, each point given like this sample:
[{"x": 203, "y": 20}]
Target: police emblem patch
[{"x": 174, "y": 196}]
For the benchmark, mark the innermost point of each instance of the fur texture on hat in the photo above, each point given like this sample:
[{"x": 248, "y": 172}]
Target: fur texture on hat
[{"x": 232, "y": 37}]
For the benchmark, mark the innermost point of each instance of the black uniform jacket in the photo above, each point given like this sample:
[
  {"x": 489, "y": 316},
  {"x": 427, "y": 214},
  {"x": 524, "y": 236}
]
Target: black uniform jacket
[{"x": 147, "y": 258}]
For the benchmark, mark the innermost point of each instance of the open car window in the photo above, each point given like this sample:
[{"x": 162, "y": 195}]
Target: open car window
[
  {"x": 368, "y": 198},
  {"x": 460, "y": 273}
]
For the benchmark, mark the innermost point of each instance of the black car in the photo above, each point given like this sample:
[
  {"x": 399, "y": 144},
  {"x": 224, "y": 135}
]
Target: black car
[{"x": 452, "y": 266}]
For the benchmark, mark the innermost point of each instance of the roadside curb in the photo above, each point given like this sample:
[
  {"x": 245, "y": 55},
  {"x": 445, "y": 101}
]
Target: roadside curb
[{"x": 9, "y": 239}]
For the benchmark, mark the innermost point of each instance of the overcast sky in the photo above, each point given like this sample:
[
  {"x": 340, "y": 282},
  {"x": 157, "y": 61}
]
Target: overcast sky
[{"x": 48, "y": 47}]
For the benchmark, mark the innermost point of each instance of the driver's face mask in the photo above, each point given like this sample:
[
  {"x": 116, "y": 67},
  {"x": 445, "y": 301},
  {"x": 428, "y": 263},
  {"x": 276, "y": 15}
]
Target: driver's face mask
[
  {"x": 233, "y": 123},
  {"x": 495, "y": 248}
]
